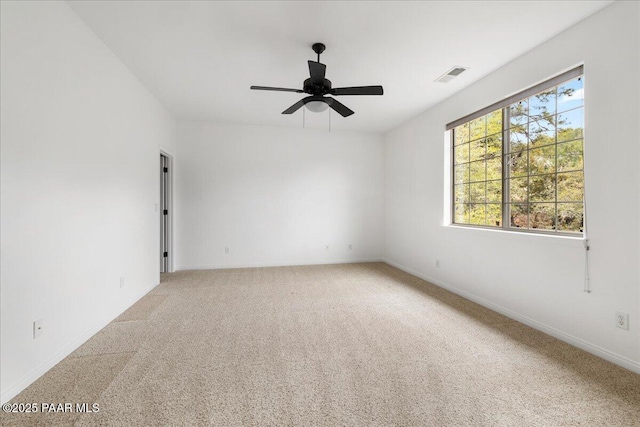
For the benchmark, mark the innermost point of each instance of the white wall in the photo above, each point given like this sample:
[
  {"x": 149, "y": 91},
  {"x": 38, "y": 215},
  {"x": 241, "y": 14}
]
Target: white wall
[
  {"x": 276, "y": 196},
  {"x": 538, "y": 279},
  {"x": 80, "y": 153}
]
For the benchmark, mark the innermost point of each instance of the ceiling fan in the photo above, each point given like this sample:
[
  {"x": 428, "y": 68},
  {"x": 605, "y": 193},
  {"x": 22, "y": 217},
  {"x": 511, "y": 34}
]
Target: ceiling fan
[{"x": 318, "y": 87}]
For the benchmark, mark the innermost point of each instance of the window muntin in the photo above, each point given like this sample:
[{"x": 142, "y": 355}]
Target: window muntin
[
  {"x": 478, "y": 171},
  {"x": 521, "y": 166}
]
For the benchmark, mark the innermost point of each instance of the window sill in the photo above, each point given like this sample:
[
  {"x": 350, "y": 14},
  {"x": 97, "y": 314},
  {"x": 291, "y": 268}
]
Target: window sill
[{"x": 516, "y": 234}]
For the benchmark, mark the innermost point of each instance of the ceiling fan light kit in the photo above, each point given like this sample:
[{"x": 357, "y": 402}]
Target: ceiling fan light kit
[
  {"x": 318, "y": 87},
  {"x": 316, "y": 106}
]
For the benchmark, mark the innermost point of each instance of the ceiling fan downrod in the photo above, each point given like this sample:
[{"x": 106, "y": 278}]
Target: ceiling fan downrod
[{"x": 318, "y": 48}]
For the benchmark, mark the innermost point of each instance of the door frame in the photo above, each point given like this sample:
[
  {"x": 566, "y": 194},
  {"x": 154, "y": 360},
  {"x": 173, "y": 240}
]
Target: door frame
[{"x": 169, "y": 206}]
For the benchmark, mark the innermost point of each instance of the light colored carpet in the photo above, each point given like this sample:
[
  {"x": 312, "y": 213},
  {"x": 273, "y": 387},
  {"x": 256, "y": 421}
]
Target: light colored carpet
[
  {"x": 355, "y": 344},
  {"x": 142, "y": 309}
]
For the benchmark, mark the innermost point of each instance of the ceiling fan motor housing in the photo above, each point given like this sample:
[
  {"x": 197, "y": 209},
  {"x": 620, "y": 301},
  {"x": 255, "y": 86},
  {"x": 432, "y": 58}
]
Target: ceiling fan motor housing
[{"x": 316, "y": 89}]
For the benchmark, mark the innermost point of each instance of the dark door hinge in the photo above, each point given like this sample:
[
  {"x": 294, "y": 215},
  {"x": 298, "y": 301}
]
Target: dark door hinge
[
  {"x": 165, "y": 212},
  {"x": 165, "y": 169},
  {"x": 166, "y": 254}
]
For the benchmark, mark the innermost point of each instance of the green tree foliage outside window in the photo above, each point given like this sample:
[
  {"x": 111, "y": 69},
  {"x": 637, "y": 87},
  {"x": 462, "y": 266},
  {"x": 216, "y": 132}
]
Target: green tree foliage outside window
[{"x": 526, "y": 159}]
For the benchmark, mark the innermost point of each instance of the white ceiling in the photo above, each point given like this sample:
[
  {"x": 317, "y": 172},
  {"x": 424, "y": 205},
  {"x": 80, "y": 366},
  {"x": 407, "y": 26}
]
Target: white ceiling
[{"x": 199, "y": 58}]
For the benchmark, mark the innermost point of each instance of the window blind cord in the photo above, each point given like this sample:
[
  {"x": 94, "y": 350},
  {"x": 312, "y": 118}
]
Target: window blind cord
[{"x": 587, "y": 284}]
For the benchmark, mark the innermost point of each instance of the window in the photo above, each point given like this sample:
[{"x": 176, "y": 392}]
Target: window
[{"x": 518, "y": 164}]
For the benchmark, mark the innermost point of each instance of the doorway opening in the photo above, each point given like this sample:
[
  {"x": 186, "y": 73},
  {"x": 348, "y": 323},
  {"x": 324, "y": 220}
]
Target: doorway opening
[{"x": 165, "y": 213}]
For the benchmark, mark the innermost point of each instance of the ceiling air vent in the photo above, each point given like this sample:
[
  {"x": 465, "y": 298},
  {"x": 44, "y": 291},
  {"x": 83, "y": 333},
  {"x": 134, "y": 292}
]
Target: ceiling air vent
[{"x": 454, "y": 72}]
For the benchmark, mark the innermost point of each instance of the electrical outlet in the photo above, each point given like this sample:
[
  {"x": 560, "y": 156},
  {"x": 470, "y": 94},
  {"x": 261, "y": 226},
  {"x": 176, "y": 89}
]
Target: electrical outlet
[
  {"x": 121, "y": 282},
  {"x": 226, "y": 250},
  {"x": 37, "y": 328},
  {"x": 622, "y": 320}
]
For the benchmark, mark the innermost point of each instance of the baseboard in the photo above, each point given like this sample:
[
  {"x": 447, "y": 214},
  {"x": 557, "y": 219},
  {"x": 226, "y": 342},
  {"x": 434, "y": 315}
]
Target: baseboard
[
  {"x": 569, "y": 339},
  {"x": 14, "y": 389},
  {"x": 281, "y": 264}
]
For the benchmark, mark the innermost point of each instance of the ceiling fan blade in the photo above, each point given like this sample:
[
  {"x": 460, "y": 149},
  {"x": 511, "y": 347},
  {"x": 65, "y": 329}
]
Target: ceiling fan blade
[
  {"x": 358, "y": 90},
  {"x": 317, "y": 71},
  {"x": 295, "y": 107},
  {"x": 339, "y": 107},
  {"x": 278, "y": 89}
]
